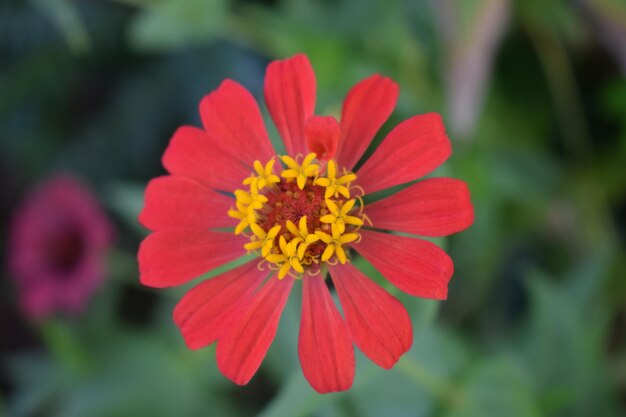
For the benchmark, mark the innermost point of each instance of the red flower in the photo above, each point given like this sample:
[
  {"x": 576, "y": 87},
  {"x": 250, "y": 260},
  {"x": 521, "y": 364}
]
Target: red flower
[
  {"x": 58, "y": 241},
  {"x": 302, "y": 218}
]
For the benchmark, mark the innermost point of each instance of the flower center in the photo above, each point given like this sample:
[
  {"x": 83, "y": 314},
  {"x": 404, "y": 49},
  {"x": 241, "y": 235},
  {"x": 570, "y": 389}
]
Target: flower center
[
  {"x": 65, "y": 249},
  {"x": 300, "y": 219}
]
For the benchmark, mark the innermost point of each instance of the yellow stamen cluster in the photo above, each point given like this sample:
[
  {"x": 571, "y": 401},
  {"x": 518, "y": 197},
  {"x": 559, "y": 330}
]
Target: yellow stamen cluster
[{"x": 299, "y": 219}]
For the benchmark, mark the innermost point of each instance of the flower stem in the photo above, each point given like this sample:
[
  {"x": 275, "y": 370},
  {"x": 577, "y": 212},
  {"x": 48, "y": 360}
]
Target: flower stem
[
  {"x": 445, "y": 392},
  {"x": 63, "y": 345}
]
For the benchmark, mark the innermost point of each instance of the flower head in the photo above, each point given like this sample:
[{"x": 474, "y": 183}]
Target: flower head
[
  {"x": 301, "y": 213},
  {"x": 58, "y": 242}
]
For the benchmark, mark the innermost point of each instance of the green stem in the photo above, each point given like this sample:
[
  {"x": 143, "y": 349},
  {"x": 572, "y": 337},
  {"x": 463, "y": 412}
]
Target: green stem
[
  {"x": 63, "y": 345},
  {"x": 564, "y": 90},
  {"x": 445, "y": 392}
]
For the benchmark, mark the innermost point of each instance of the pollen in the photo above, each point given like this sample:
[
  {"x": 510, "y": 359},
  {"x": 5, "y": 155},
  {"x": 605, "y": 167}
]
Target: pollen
[{"x": 299, "y": 215}]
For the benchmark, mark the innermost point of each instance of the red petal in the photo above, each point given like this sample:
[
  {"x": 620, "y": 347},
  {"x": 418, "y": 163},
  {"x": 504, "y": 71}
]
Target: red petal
[
  {"x": 178, "y": 202},
  {"x": 324, "y": 345},
  {"x": 322, "y": 136},
  {"x": 192, "y": 154},
  {"x": 207, "y": 309},
  {"x": 290, "y": 98},
  {"x": 433, "y": 207},
  {"x": 378, "y": 322},
  {"x": 366, "y": 107},
  {"x": 411, "y": 150},
  {"x": 242, "y": 348},
  {"x": 415, "y": 266},
  {"x": 232, "y": 119},
  {"x": 173, "y": 257}
]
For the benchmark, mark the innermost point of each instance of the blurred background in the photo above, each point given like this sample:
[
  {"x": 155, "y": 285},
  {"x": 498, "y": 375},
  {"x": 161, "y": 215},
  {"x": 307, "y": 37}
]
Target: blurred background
[{"x": 534, "y": 98}]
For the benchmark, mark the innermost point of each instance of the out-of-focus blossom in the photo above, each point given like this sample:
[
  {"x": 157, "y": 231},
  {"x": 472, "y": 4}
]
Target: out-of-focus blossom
[{"x": 58, "y": 241}]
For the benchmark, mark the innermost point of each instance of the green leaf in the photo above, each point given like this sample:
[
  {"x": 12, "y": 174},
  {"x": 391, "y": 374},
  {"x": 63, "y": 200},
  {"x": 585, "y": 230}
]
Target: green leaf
[
  {"x": 140, "y": 375},
  {"x": 335, "y": 409},
  {"x": 297, "y": 398},
  {"x": 494, "y": 388},
  {"x": 37, "y": 380},
  {"x": 418, "y": 383},
  {"x": 126, "y": 200},
  {"x": 441, "y": 352},
  {"x": 392, "y": 394},
  {"x": 169, "y": 24},
  {"x": 565, "y": 341},
  {"x": 65, "y": 15}
]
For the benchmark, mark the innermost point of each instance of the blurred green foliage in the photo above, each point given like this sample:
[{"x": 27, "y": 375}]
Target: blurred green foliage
[{"x": 535, "y": 321}]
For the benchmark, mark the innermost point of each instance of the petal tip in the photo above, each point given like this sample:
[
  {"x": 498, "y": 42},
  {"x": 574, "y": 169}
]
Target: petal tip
[{"x": 332, "y": 389}]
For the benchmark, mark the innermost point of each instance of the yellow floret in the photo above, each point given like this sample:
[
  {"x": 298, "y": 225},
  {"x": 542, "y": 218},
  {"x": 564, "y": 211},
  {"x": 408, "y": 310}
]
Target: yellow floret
[
  {"x": 241, "y": 214},
  {"x": 263, "y": 241},
  {"x": 287, "y": 259},
  {"x": 300, "y": 172},
  {"x": 335, "y": 241},
  {"x": 301, "y": 234},
  {"x": 340, "y": 215},
  {"x": 264, "y": 175},
  {"x": 335, "y": 186}
]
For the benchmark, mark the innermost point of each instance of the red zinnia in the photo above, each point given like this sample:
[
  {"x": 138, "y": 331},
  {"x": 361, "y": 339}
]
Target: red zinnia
[
  {"x": 58, "y": 242},
  {"x": 303, "y": 218}
]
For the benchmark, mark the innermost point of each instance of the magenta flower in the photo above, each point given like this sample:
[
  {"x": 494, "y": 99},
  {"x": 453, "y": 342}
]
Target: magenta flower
[{"x": 59, "y": 237}]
